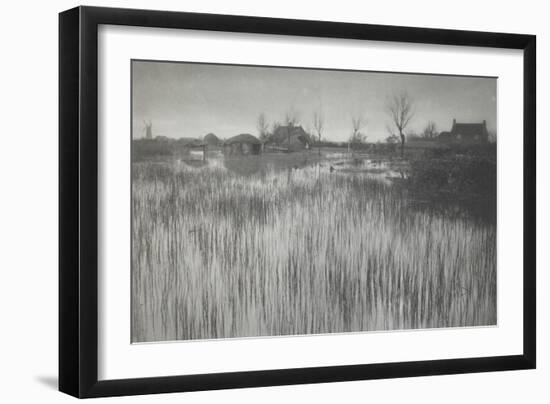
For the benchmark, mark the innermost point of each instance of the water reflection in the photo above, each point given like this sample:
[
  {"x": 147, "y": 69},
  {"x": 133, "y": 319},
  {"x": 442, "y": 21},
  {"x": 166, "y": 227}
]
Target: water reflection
[
  {"x": 481, "y": 210},
  {"x": 196, "y": 163},
  {"x": 390, "y": 172},
  {"x": 385, "y": 171},
  {"x": 244, "y": 166}
]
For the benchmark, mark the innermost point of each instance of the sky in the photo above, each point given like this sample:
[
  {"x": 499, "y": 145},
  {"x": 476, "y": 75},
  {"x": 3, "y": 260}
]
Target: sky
[{"x": 192, "y": 99}]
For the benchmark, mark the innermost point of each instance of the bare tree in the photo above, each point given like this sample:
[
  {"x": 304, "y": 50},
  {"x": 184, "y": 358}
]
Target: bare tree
[
  {"x": 263, "y": 127},
  {"x": 430, "y": 131},
  {"x": 400, "y": 110},
  {"x": 274, "y": 126},
  {"x": 291, "y": 117},
  {"x": 318, "y": 124},
  {"x": 357, "y": 123},
  {"x": 291, "y": 120}
]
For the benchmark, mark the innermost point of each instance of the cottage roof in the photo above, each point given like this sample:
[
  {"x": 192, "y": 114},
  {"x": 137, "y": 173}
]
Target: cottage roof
[
  {"x": 243, "y": 138},
  {"x": 469, "y": 129},
  {"x": 297, "y": 134},
  {"x": 211, "y": 139}
]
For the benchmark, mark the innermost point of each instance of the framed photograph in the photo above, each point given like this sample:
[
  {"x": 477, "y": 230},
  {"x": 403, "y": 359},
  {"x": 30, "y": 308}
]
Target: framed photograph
[{"x": 251, "y": 201}]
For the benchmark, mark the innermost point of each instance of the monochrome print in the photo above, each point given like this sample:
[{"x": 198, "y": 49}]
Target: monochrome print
[{"x": 270, "y": 201}]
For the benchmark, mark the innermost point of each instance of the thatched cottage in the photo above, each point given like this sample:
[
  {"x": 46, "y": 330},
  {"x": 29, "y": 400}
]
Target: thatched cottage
[
  {"x": 290, "y": 138},
  {"x": 242, "y": 144},
  {"x": 212, "y": 140},
  {"x": 466, "y": 133}
]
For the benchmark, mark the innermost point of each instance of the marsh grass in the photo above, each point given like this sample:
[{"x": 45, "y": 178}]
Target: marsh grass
[{"x": 216, "y": 254}]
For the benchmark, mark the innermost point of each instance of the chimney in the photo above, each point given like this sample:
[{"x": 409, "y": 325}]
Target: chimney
[{"x": 484, "y": 122}]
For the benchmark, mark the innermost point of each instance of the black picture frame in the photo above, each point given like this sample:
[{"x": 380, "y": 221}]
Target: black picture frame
[{"x": 78, "y": 201}]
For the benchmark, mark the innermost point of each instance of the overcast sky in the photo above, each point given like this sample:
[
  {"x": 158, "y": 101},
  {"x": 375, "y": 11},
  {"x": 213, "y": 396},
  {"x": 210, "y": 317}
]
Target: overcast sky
[{"x": 191, "y": 100}]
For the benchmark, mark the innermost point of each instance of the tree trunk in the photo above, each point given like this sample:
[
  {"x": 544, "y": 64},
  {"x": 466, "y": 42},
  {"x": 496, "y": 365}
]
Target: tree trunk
[{"x": 402, "y": 144}]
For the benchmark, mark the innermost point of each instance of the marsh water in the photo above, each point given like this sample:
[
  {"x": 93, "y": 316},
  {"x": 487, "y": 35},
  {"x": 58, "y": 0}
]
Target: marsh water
[{"x": 302, "y": 243}]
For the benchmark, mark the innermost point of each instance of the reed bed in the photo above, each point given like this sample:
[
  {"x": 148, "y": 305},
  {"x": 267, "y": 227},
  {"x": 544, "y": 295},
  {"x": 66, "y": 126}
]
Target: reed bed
[{"x": 216, "y": 254}]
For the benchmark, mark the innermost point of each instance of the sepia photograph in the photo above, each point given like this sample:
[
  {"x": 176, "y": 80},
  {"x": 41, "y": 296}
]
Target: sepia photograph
[{"x": 280, "y": 201}]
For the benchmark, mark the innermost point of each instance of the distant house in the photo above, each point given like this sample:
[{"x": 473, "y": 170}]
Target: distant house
[
  {"x": 189, "y": 141},
  {"x": 189, "y": 147},
  {"x": 242, "y": 144},
  {"x": 465, "y": 133},
  {"x": 290, "y": 138},
  {"x": 212, "y": 140}
]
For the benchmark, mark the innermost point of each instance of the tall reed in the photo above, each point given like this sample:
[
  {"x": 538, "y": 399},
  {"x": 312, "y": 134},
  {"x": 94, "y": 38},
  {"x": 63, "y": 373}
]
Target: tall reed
[{"x": 219, "y": 255}]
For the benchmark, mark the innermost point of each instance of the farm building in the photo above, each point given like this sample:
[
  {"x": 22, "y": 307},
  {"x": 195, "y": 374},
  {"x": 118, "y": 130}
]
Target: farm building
[
  {"x": 189, "y": 148},
  {"x": 466, "y": 133},
  {"x": 212, "y": 140},
  {"x": 189, "y": 141},
  {"x": 290, "y": 138},
  {"x": 242, "y": 144}
]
